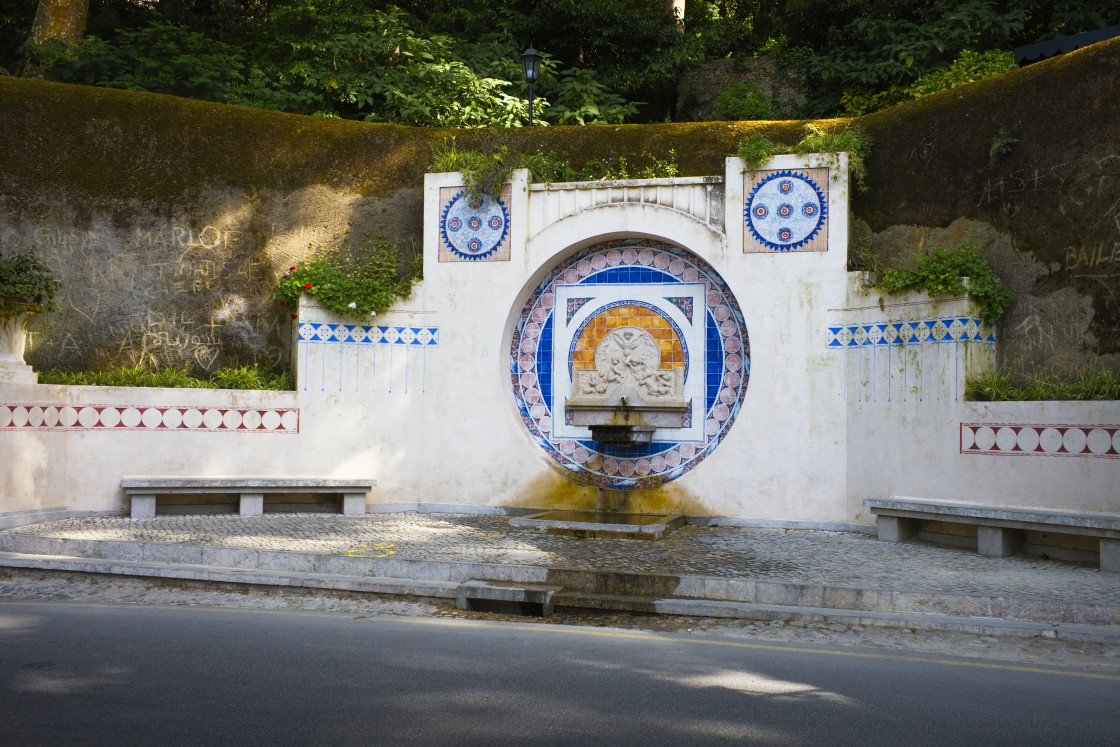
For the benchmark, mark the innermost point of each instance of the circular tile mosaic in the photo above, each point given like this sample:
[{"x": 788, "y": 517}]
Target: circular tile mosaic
[
  {"x": 474, "y": 227},
  {"x": 785, "y": 210},
  {"x": 636, "y": 274}
]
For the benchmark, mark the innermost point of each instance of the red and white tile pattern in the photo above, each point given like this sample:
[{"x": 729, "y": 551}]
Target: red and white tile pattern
[
  {"x": 48, "y": 417},
  {"x": 1013, "y": 439}
]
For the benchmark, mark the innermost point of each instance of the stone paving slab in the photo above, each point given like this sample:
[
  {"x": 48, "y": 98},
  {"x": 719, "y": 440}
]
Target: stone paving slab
[{"x": 802, "y": 557}]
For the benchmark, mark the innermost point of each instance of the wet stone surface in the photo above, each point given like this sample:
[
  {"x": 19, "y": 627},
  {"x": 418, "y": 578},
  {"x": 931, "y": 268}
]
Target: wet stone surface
[{"x": 788, "y": 556}]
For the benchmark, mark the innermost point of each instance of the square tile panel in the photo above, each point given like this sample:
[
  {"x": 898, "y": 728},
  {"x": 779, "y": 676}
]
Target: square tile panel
[
  {"x": 473, "y": 230},
  {"x": 785, "y": 211}
]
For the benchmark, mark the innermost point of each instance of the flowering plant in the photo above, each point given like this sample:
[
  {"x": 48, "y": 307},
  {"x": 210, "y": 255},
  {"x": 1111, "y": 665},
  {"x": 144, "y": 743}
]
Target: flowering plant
[
  {"x": 25, "y": 284},
  {"x": 355, "y": 284}
]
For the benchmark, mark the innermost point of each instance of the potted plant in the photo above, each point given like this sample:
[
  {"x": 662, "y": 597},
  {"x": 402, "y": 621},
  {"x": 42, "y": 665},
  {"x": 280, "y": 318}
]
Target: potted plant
[{"x": 27, "y": 287}]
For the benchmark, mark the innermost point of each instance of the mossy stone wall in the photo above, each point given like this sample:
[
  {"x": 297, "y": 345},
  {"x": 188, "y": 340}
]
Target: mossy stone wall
[
  {"x": 1048, "y": 210},
  {"x": 168, "y": 220}
]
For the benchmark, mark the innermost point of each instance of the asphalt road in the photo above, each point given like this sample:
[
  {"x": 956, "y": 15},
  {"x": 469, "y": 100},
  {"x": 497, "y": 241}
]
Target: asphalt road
[{"x": 103, "y": 674}]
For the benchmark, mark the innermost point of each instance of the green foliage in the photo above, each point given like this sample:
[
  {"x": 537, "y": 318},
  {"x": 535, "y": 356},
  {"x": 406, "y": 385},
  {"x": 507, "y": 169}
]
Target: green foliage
[
  {"x": 756, "y": 149},
  {"x": 24, "y": 279},
  {"x": 942, "y": 272},
  {"x": 241, "y": 377},
  {"x": 357, "y": 283},
  {"x": 635, "y": 47},
  {"x": 1001, "y": 386},
  {"x": 862, "y": 259},
  {"x": 1002, "y": 144},
  {"x": 851, "y": 140},
  {"x": 457, "y": 63},
  {"x": 583, "y": 100},
  {"x": 249, "y": 377},
  {"x": 621, "y": 168},
  {"x": 874, "y": 59},
  {"x": 742, "y": 101},
  {"x": 486, "y": 173},
  {"x": 160, "y": 58},
  {"x": 968, "y": 68},
  {"x": 336, "y": 58}
]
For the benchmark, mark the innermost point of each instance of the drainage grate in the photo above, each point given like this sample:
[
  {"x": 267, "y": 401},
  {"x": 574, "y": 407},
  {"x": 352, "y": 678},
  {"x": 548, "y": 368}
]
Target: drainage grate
[{"x": 529, "y": 600}]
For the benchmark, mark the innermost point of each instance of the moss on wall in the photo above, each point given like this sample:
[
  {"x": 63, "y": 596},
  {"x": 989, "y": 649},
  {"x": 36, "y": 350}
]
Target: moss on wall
[
  {"x": 1055, "y": 194},
  {"x": 168, "y": 219}
]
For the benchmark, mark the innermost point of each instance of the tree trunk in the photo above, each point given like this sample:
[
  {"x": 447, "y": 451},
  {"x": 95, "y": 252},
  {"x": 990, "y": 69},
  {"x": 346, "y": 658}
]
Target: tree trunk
[
  {"x": 676, "y": 7},
  {"x": 64, "y": 20}
]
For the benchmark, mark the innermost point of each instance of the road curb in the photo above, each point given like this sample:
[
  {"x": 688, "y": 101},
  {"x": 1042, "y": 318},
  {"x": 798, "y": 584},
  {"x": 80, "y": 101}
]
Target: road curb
[{"x": 698, "y": 596}]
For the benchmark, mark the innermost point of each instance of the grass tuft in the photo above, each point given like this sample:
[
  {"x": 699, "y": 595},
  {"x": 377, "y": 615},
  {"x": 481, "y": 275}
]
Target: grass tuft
[
  {"x": 1001, "y": 386},
  {"x": 240, "y": 377}
]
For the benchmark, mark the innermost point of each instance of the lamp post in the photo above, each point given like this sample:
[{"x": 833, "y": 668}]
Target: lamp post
[{"x": 531, "y": 66}]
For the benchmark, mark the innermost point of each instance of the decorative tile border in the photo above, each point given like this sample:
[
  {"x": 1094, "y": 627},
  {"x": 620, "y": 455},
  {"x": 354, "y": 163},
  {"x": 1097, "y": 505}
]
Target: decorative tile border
[
  {"x": 948, "y": 330},
  {"x": 357, "y": 334},
  {"x": 473, "y": 230},
  {"x": 785, "y": 210},
  {"x": 723, "y": 350},
  {"x": 1008, "y": 439},
  {"x": 47, "y": 417}
]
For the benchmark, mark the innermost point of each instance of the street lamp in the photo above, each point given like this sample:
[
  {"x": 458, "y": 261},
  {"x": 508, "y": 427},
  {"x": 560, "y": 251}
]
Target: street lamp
[{"x": 531, "y": 66}]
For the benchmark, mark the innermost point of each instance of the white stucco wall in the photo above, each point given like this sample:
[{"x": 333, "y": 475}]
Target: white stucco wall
[{"x": 421, "y": 398}]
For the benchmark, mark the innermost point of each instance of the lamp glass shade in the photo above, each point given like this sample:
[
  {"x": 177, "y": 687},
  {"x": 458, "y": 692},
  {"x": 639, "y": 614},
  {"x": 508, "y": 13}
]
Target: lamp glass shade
[{"x": 531, "y": 65}]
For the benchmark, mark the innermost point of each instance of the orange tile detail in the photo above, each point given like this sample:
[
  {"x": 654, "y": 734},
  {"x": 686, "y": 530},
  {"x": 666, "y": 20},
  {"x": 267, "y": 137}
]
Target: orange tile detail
[{"x": 672, "y": 356}]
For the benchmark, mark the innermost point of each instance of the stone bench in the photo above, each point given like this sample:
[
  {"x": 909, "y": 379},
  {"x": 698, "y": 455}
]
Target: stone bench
[
  {"x": 143, "y": 491},
  {"x": 998, "y": 530}
]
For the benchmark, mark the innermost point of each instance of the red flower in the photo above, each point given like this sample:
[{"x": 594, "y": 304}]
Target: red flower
[
  {"x": 282, "y": 303},
  {"x": 308, "y": 286},
  {"x": 293, "y": 316},
  {"x": 291, "y": 268}
]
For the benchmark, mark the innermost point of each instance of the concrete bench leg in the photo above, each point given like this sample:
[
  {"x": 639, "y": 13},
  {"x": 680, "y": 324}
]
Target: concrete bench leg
[
  {"x": 1110, "y": 555},
  {"x": 143, "y": 506},
  {"x": 997, "y": 542},
  {"x": 353, "y": 504},
  {"x": 252, "y": 504},
  {"x": 896, "y": 528}
]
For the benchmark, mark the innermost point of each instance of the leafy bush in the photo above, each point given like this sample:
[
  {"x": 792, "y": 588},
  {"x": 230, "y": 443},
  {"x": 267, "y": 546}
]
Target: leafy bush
[
  {"x": 24, "y": 279},
  {"x": 1000, "y": 386},
  {"x": 336, "y": 60},
  {"x": 161, "y": 58},
  {"x": 358, "y": 283},
  {"x": 968, "y": 68},
  {"x": 742, "y": 101},
  {"x": 942, "y": 273},
  {"x": 583, "y": 100},
  {"x": 874, "y": 58}
]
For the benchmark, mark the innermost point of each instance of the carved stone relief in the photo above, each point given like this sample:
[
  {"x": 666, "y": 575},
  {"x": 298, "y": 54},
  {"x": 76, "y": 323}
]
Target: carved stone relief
[{"x": 628, "y": 360}]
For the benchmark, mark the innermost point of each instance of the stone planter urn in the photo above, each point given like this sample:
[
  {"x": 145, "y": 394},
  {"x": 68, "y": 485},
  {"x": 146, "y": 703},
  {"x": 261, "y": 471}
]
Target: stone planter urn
[{"x": 14, "y": 314}]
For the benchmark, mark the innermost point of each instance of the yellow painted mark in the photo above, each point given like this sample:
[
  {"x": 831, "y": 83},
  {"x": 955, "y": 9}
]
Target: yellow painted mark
[{"x": 379, "y": 550}]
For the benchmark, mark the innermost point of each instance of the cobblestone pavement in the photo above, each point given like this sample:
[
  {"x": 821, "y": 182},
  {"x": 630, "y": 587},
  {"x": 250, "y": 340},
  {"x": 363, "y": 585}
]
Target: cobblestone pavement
[
  {"x": 17, "y": 585},
  {"x": 791, "y": 556}
]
